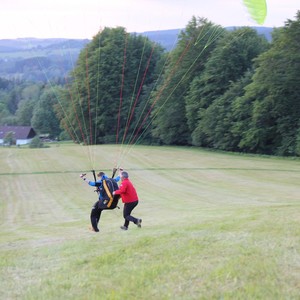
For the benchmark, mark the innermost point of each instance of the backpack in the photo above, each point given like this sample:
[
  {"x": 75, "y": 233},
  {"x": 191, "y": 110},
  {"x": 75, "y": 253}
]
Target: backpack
[{"x": 108, "y": 200}]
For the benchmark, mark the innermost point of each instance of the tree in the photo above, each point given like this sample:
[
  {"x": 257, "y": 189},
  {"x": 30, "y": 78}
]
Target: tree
[
  {"x": 6, "y": 116},
  {"x": 113, "y": 73},
  {"x": 4, "y": 113},
  {"x": 36, "y": 143},
  {"x": 44, "y": 119},
  {"x": 24, "y": 112},
  {"x": 274, "y": 126},
  {"x": 230, "y": 60},
  {"x": 9, "y": 138},
  {"x": 226, "y": 118},
  {"x": 185, "y": 63},
  {"x": 17, "y": 101},
  {"x": 30, "y": 96}
]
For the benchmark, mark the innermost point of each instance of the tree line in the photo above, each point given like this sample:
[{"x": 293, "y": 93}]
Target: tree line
[
  {"x": 242, "y": 95},
  {"x": 227, "y": 90}
]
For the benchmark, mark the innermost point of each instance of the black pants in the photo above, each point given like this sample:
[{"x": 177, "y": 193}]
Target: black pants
[
  {"x": 128, "y": 208},
  {"x": 95, "y": 215},
  {"x": 97, "y": 210}
]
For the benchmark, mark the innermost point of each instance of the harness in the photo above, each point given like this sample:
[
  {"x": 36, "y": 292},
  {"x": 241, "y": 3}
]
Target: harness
[
  {"x": 108, "y": 188},
  {"x": 107, "y": 199}
]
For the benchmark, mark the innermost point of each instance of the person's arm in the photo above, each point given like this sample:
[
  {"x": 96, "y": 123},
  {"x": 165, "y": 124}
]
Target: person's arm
[
  {"x": 119, "y": 176},
  {"x": 91, "y": 183},
  {"x": 122, "y": 189}
]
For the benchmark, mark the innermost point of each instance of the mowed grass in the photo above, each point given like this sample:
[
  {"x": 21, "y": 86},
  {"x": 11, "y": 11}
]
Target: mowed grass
[{"x": 215, "y": 226}]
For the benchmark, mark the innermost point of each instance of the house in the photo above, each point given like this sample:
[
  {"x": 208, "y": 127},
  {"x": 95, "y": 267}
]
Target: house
[{"x": 21, "y": 135}]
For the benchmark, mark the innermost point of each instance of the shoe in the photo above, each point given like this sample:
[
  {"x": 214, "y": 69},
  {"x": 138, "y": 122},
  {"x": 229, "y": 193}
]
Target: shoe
[
  {"x": 139, "y": 223},
  {"x": 124, "y": 228},
  {"x": 92, "y": 229}
]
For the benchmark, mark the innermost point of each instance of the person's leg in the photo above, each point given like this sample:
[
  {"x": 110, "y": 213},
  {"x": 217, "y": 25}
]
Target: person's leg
[
  {"x": 95, "y": 216},
  {"x": 125, "y": 213},
  {"x": 128, "y": 207}
]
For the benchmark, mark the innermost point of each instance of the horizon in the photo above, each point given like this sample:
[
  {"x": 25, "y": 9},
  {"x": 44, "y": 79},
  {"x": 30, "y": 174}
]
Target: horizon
[{"x": 67, "y": 38}]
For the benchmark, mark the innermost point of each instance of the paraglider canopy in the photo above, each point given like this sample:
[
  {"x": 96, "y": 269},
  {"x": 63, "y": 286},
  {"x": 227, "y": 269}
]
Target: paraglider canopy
[{"x": 257, "y": 10}]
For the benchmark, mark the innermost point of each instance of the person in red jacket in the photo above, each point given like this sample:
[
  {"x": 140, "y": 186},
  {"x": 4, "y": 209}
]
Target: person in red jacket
[{"x": 130, "y": 199}]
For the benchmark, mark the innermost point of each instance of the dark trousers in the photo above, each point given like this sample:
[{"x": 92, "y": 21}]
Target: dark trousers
[
  {"x": 97, "y": 210},
  {"x": 95, "y": 215},
  {"x": 128, "y": 208}
]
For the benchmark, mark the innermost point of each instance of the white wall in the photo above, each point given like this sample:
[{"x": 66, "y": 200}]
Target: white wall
[{"x": 23, "y": 142}]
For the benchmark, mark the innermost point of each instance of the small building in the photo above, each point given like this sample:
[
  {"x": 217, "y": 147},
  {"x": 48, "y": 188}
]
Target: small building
[{"x": 21, "y": 135}]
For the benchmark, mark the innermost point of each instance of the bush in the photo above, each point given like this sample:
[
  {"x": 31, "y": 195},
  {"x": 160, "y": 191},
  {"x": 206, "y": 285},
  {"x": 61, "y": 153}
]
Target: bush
[
  {"x": 9, "y": 139},
  {"x": 64, "y": 136},
  {"x": 36, "y": 143}
]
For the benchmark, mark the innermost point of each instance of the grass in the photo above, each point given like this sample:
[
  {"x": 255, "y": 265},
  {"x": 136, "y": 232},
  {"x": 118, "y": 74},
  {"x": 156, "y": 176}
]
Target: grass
[{"x": 215, "y": 226}]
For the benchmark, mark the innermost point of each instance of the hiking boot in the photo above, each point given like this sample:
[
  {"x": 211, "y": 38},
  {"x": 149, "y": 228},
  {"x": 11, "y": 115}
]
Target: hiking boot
[
  {"x": 139, "y": 223},
  {"x": 124, "y": 228}
]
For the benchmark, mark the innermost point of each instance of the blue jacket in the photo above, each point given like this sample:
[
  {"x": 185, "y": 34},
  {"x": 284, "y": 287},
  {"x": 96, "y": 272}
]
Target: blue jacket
[{"x": 93, "y": 183}]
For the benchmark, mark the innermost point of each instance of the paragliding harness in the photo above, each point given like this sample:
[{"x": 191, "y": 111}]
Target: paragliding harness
[{"x": 105, "y": 190}]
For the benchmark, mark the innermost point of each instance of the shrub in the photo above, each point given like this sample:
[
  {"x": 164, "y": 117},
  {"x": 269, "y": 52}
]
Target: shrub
[{"x": 36, "y": 143}]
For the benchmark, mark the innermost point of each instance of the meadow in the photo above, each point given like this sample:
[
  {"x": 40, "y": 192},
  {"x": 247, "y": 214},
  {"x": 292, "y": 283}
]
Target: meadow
[{"x": 215, "y": 225}]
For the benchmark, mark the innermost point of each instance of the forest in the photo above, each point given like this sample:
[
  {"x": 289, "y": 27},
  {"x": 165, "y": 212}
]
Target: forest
[{"x": 226, "y": 90}]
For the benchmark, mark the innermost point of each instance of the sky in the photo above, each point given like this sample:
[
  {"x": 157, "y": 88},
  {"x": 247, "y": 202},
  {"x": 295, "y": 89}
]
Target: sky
[{"x": 84, "y": 18}]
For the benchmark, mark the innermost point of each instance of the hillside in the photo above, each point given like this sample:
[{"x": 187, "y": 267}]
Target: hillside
[
  {"x": 215, "y": 226},
  {"x": 36, "y": 59},
  {"x": 166, "y": 38}
]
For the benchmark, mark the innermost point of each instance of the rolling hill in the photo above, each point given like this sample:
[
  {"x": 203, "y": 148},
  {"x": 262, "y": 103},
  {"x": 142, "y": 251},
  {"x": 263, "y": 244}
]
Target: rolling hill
[{"x": 35, "y": 59}]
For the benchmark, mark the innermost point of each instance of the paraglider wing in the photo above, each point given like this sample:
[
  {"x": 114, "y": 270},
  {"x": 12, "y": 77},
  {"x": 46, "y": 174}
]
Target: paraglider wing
[{"x": 257, "y": 10}]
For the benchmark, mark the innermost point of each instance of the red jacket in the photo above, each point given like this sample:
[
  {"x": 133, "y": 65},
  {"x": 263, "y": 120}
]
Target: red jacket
[{"x": 127, "y": 191}]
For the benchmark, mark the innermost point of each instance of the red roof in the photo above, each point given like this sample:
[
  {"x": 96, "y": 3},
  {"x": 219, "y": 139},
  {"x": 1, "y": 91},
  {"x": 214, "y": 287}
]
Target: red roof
[{"x": 20, "y": 132}]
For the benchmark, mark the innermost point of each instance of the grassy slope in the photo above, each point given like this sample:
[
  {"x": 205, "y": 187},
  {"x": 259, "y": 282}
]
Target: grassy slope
[{"x": 214, "y": 226}]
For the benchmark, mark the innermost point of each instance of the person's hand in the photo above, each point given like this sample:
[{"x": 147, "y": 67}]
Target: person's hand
[{"x": 83, "y": 176}]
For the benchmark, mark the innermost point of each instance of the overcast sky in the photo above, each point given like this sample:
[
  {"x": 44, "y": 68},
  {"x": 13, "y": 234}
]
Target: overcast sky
[{"x": 84, "y": 18}]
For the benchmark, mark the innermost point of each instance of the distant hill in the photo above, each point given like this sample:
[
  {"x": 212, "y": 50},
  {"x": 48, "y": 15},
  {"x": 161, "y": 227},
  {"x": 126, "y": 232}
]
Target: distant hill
[
  {"x": 167, "y": 38},
  {"x": 24, "y": 44},
  {"x": 265, "y": 31},
  {"x": 37, "y": 59}
]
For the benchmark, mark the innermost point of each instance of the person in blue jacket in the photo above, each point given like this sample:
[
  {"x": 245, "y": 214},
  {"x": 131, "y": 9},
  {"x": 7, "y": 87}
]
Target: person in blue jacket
[{"x": 102, "y": 203}]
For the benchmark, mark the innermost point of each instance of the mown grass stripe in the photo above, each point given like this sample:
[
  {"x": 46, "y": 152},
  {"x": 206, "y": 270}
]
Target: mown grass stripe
[{"x": 154, "y": 169}]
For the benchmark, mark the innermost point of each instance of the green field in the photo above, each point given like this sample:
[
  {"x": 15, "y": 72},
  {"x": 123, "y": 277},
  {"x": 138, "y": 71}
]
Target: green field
[{"x": 215, "y": 226}]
